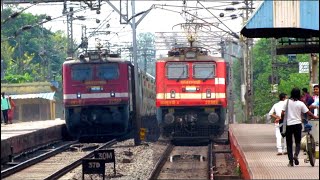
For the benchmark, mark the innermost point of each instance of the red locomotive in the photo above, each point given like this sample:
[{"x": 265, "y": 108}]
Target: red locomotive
[
  {"x": 99, "y": 95},
  {"x": 191, "y": 94}
]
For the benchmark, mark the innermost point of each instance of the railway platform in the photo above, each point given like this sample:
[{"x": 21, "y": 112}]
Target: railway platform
[
  {"x": 26, "y": 135},
  {"x": 254, "y": 147}
]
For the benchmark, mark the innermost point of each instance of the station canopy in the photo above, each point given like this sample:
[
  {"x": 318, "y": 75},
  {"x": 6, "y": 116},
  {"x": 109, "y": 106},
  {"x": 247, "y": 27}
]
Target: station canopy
[{"x": 277, "y": 19}]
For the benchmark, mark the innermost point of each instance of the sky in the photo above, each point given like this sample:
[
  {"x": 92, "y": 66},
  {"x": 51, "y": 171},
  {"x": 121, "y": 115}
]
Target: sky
[{"x": 165, "y": 16}]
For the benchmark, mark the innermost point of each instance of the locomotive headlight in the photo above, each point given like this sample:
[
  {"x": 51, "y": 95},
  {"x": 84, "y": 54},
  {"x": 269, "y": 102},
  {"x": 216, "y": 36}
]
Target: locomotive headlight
[
  {"x": 213, "y": 118},
  {"x": 112, "y": 94},
  {"x": 208, "y": 93},
  {"x": 173, "y": 94},
  {"x": 78, "y": 95},
  {"x": 169, "y": 118}
]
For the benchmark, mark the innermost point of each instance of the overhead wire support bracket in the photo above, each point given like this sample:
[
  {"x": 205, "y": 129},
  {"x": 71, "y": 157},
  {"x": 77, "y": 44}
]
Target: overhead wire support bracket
[
  {"x": 235, "y": 35},
  {"x": 93, "y": 6}
]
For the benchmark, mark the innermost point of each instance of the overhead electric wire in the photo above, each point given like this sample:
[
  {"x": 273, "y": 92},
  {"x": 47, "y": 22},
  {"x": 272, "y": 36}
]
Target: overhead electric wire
[
  {"x": 117, "y": 33},
  {"x": 26, "y": 27},
  {"x": 209, "y": 23},
  {"x": 232, "y": 33},
  {"x": 100, "y": 25},
  {"x": 16, "y": 14}
]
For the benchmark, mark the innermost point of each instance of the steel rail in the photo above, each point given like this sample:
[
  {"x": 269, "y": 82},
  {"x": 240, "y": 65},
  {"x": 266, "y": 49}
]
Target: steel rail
[
  {"x": 211, "y": 161},
  {"x": 156, "y": 171},
  {"x": 78, "y": 162},
  {"x": 35, "y": 160}
]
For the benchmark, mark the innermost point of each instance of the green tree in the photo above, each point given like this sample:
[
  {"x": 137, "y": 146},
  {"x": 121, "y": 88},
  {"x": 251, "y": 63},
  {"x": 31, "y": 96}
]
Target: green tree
[
  {"x": 30, "y": 50},
  {"x": 146, "y": 52},
  {"x": 263, "y": 98},
  {"x": 289, "y": 77},
  {"x": 14, "y": 65}
]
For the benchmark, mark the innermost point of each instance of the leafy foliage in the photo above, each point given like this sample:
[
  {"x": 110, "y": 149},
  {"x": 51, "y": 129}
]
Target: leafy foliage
[
  {"x": 30, "y": 52},
  {"x": 289, "y": 77},
  {"x": 263, "y": 98},
  {"x": 294, "y": 80},
  {"x": 18, "y": 78}
]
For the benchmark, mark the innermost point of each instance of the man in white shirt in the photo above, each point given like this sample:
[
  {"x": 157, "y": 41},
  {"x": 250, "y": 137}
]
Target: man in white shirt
[
  {"x": 293, "y": 124},
  {"x": 275, "y": 113}
]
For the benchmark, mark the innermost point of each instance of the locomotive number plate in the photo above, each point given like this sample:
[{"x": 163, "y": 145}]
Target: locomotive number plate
[
  {"x": 95, "y": 88},
  {"x": 211, "y": 102},
  {"x": 209, "y": 109}
]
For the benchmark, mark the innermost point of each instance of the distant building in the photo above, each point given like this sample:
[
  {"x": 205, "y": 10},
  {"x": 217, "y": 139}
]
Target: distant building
[{"x": 34, "y": 101}]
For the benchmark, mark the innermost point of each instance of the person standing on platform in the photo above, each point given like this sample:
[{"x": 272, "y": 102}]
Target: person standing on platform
[
  {"x": 307, "y": 100},
  {"x": 275, "y": 113},
  {"x": 5, "y": 106},
  {"x": 315, "y": 105},
  {"x": 293, "y": 121},
  {"x": 11, "y": 110},
  {"x": 306, "y": 97}
]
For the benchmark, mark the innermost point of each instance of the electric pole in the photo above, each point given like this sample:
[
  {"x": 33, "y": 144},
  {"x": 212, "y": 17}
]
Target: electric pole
[
  {"x": 274, "y": 72},
  {"x": 230, "y": 86},
  {"x": 247, "y": 72},
  {"x": 145, "y": 61},
  {"x": 314, "y": 73},
  {"x": 137, "y": 127},
  {"x": 138, "y": 96},
  {"x": 70, "y": 32}
]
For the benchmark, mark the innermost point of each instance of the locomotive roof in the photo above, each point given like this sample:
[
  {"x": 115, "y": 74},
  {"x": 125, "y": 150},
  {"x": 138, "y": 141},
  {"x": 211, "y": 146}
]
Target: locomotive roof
[
  {"x": 109, "y": 59},
  {"x": 181, "y": 58},
  {"x": 190, "y": 54}
]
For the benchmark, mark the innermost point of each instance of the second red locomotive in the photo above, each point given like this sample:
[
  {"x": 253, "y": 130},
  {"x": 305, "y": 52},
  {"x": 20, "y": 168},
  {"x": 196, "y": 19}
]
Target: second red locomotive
[{"x": 191, "y": 94}]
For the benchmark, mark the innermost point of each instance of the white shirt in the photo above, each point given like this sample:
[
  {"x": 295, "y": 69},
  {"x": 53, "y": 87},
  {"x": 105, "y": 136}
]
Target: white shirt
[
  {"x": 315, "y": 98},
  {"x": 295, "y": 108},
  {"x": 277, "y": 109},
  {"x": 316, "y": 103}
]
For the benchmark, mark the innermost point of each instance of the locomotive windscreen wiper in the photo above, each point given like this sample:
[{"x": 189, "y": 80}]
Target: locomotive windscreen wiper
[
  {"x": 208, "y": 76},
  {"x": 180, "y": 75}
]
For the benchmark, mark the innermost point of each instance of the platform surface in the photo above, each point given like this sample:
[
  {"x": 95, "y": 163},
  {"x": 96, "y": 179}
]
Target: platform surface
[
  {"x": 21, "y": 128},
  {"x": 256, "y": 146},
  {"x": 27, "y": 135}
]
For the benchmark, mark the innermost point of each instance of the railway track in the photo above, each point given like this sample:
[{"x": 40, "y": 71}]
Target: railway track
[
  {"x": 184, "y": 162},
  {"x": 54, "y": 164}
]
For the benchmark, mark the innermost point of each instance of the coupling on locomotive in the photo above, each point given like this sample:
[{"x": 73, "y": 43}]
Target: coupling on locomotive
[
  {"x": 98, "y": 94},
  {"x": 191, "y": 94}
]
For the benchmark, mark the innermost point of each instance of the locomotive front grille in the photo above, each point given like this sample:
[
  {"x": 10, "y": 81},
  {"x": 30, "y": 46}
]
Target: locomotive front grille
[{"x": 198, "y": 131}]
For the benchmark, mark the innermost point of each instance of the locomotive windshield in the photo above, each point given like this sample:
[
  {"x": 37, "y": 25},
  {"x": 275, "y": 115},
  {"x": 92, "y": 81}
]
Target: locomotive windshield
[
  {"x": 81, "y": 72},
  {"x": 204, "y": 70},
  {"x": 177, "y": 71},
  {"x": 108, "y": 71}
]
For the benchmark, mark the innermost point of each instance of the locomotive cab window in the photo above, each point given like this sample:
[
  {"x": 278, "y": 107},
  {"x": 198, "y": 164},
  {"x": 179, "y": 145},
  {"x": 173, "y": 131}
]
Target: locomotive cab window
[
  {"x": 108, "y": 71},
  {"x": 204, "y": 70},
  {"x": 177, "y": 71},
  {"x": 81, "y": 72}
]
